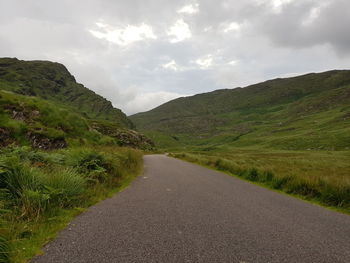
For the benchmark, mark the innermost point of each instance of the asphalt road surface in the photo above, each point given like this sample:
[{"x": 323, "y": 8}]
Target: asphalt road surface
[{"x": 181, "y": 212}]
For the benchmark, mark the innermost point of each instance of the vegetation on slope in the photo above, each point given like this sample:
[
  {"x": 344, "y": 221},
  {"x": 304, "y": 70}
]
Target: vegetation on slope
[
  {"x": 289, "y": 134},
  {"x": 42, "y": 124},
  {"x": 306, "y": 112},
  {"x": 52, "y": 81},
  {"x": 41, "y": 191},
  {"x": 60, "y": 152},
  {"x": 54, "y": 163}
]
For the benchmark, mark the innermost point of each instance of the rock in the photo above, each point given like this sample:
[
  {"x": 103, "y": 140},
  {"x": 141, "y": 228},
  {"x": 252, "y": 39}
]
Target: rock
[
  {"x": 40, "y": 141},
  {"x": 5, "y": 137}
]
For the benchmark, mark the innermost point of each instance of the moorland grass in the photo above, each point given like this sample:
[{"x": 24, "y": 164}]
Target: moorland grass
[
  {"x": 320, "y": 176},
  {"x": 42, "y": 191}
]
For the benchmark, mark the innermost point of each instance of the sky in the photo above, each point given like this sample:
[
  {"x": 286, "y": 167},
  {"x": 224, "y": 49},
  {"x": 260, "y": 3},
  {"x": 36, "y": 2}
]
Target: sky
[{"x": 141, "y": 53}]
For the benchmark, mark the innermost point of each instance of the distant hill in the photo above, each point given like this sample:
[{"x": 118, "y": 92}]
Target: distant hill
[
  {"x": 305, "y": 112},
  {"x": 52, "y": 81}
]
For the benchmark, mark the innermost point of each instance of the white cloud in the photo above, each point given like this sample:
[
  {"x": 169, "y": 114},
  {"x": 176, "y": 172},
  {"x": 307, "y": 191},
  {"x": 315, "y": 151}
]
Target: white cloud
[
  {"x": 232, "y": 27},
  {"x": 205, "y": 62},
  {"x": 233, "y": 62},
  {"x": 180, "y": 31},
  {"x": 123, "y": 36},
  {"x": 189, "y": 9},
  {"x": 279, "y": 4},
  {"x": 171, "y": 65},
  {"x": 314, "y": 14},
  {"x": 144, "y": 101}
]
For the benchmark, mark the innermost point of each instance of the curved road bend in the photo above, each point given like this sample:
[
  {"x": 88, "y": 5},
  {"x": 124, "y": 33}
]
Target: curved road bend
[{"x": 181, "y": 212}]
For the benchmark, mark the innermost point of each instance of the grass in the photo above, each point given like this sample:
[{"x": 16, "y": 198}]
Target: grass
[
  {"x": 42, "y": 191},
  {"x": 60, "y": 152},
  {"x": 289, "y": 134},
  {"x": 52, "y": 81},
  {"x": 323, "y": 177},
  {"x": 300, "y": 113},
  {"x": 39, "y": 123}
]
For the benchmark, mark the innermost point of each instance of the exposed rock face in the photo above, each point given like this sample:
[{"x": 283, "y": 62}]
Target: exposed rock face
[
  {"x": 5, "y": 137},
  {"x": 133, "y": 139},
  {"x": 40, "y": 141},
  {"x": 20, "y": 113},
  {"x": 125, "y": 137}
]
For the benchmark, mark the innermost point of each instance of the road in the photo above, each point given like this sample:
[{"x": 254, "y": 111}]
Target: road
[{"x": 181, "y": 212}]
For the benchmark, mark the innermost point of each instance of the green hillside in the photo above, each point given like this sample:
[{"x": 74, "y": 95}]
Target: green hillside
[
  {"x": 52, "y": 81},
  {"x": 41, "y": 124},
  {"x": 62, "y": 149},
  {"x": 306, "y": 112}
]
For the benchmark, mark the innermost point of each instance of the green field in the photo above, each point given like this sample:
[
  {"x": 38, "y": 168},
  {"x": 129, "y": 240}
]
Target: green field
[{"x": 289, "y": 134}]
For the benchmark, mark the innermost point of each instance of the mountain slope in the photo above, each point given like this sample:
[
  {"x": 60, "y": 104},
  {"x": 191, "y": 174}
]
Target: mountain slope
[
  {"x": 306, "y": 112},
  {"x": 52, "y": 81}
]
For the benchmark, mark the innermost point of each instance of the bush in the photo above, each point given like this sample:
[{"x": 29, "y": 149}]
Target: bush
[
  {"x": 63, "y": 188},
  {"x": 15, "y": 177}
]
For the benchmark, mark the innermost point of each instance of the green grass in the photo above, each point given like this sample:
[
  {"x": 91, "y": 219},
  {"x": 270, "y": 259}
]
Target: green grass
[
  {"x": 319, "y": 176},
  {"x": 289, "y": 134},
  {"x": 42, "y": 191},
  {"x": 22, "y": 116},
  {"x": 300, "y": 113},
  {"x": 60, "y": 152},
  {"x": 52, "y": 81}
]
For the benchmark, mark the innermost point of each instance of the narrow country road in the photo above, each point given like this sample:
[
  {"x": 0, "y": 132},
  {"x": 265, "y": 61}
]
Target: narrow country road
[{"x": 181, "y": 212}]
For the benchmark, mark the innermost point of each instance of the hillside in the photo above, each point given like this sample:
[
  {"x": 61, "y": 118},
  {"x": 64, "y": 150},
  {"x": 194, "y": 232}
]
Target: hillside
[
  {"x": 52, "y": 81},
  {"x": 31, "y": 121},
  {"x": 62, "y": 149},
  {"x": 305, "y": 112}
]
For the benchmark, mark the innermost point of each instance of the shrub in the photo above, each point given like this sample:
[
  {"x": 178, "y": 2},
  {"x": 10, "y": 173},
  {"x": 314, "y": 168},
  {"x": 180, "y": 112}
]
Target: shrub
[
  {"x": 34, "y": 202},
  {"x": 15, "y": 177},
  {"x": 63, "y": 187},
  {"x": 93, "y": 165}
]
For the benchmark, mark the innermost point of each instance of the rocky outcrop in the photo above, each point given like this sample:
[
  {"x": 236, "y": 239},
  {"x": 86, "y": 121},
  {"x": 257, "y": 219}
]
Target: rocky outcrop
[
  {"x": 133, "y": 139},
  {"x": 21, "y": 113},
  {"x": 125, "y": 137},
  {"x": 5, "y": 137},
  {"x": 40, "y": 141}
]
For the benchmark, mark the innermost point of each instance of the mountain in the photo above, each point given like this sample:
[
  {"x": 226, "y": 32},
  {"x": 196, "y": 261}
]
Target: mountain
[
  {"x": 306, "y": 112},
  {"x": 42, "y": 106},
  {"x": 52, "y": 81}
]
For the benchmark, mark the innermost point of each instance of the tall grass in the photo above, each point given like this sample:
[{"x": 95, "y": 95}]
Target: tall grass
[
  {"x": 305, "y": 174},
  {"x": 4, "y": 249},
  {"x": 38, "y": 188}
]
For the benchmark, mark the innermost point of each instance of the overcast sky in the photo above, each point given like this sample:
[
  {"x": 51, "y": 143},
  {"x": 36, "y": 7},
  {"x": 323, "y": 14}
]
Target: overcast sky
[{"x": 142, "y": 53}]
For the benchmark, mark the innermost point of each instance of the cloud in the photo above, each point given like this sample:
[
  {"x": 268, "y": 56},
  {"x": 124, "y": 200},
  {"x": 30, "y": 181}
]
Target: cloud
[
  {"x": 205, "y": 62},
  {"x": 139, "y": 53},
  {"x": 233, "y": 26},
  {"x": 189, "y": 9},
  {"x": 180, "y": 31},
  {"x": 123, "y": 36},
  {"x": 149, "y": 100}
]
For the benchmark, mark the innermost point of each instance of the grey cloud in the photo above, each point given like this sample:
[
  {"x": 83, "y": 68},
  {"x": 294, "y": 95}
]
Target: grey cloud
[{"x": 268, "y": 44}]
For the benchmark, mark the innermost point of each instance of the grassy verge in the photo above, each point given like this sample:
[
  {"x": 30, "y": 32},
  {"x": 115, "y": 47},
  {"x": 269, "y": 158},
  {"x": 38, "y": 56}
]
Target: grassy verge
[
  {"x": 323, "y": 177},
  {"x": 40, "y": 192}
]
